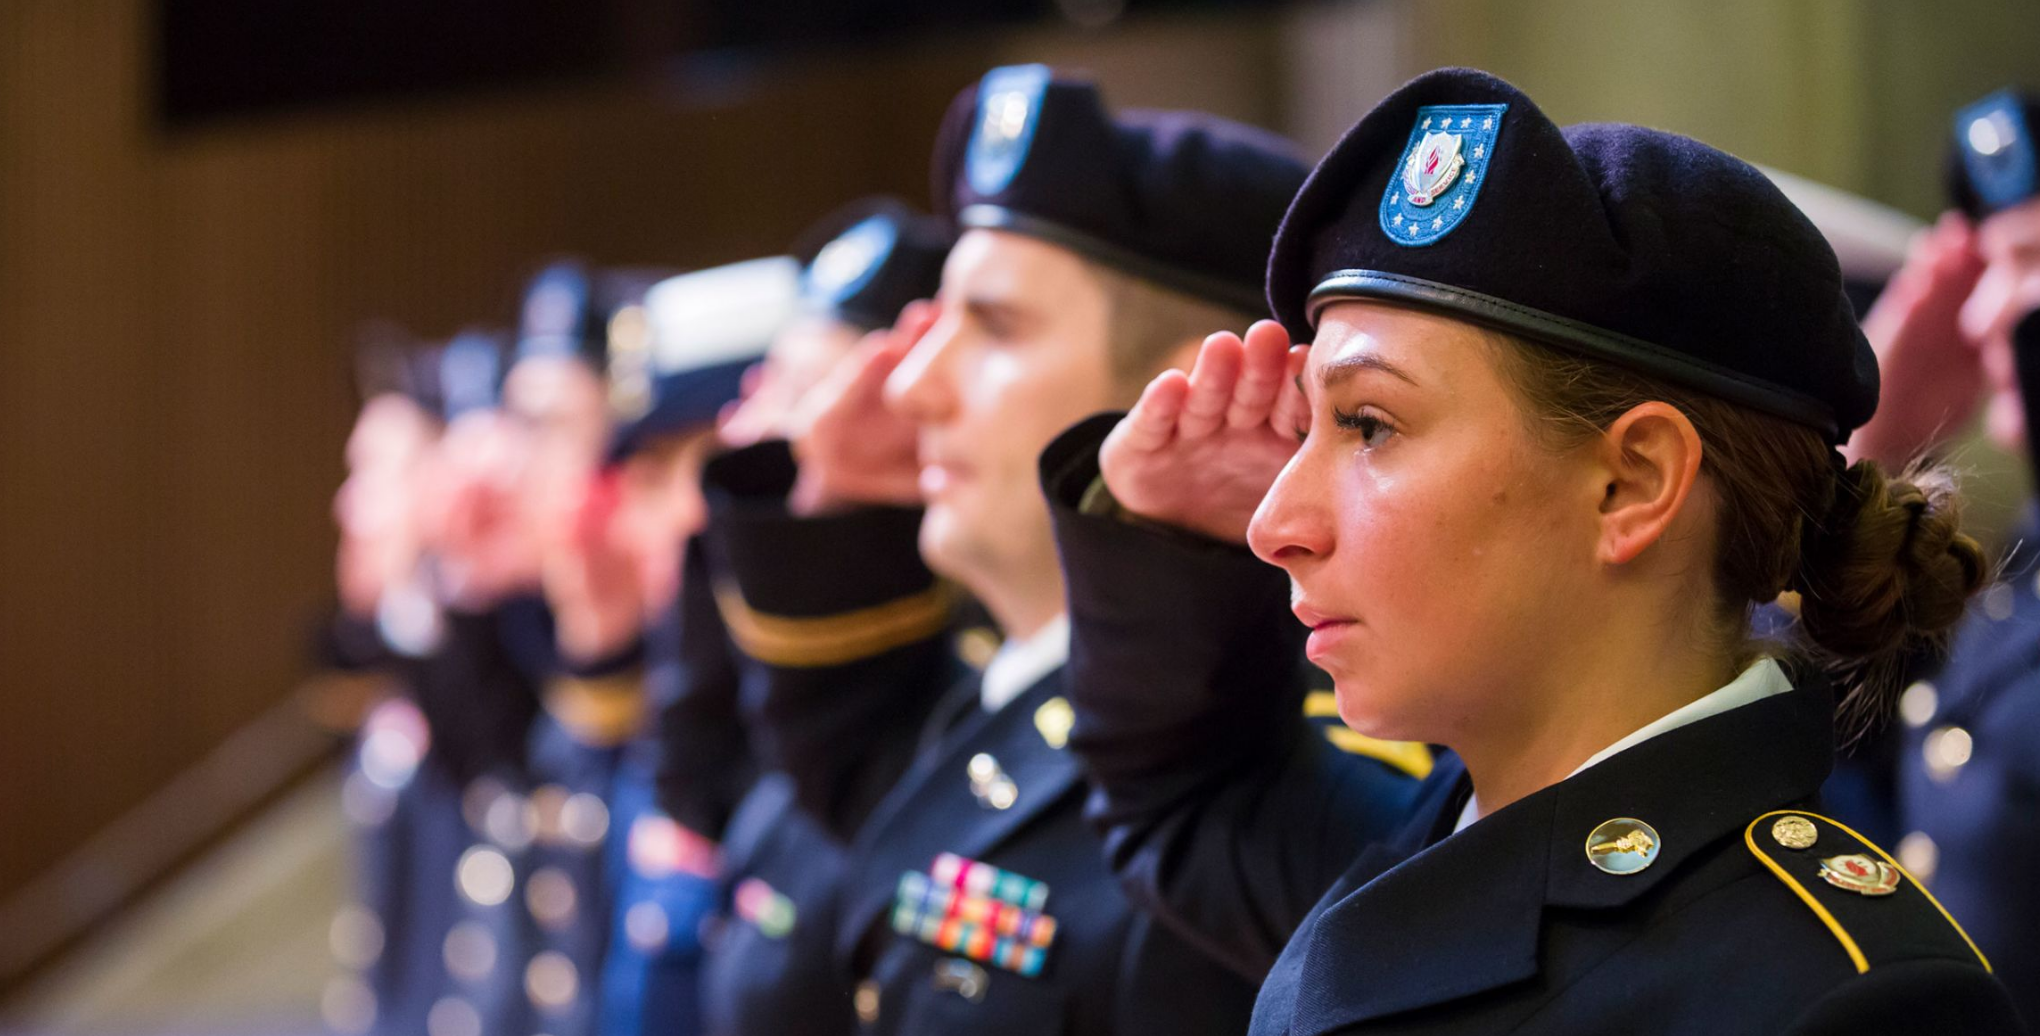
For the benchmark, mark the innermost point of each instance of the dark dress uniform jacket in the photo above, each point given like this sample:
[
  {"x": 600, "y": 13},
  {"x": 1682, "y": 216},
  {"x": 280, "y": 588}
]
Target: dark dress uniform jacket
[
  {"x": 1238, "y": 833},
  {"x": 1969, "y": 777},
  {"x": 851, "y": 630}
]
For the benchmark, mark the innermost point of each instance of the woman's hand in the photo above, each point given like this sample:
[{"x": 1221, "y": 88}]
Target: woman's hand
[{"x": 1199, "y": 451}]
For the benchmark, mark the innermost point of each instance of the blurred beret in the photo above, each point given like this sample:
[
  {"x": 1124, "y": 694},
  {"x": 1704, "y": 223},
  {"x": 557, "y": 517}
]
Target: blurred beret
[
  {"x": 1184, "y": 199},
  {"x": 567, "y": 306},
  {"x": 878, "y": 256},
  {"x": 678, "y": 357},
  {"x": 470, "y": 372},
  {"x": 1992, "y": 165},
  {"x": 1641, "y": 248}
]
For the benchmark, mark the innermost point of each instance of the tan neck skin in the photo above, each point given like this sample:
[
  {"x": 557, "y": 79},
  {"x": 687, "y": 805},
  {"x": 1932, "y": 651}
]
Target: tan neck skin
[
  {"x": 1021, "y": 602},
  {"x": 1619, "y": 676}
]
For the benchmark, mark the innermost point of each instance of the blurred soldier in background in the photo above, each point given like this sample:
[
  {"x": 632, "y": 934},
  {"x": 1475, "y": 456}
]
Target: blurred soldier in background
[
  {"x": 1959, "y": 329},
  {"x": 771, "y": 966},
  {"x": 675, "y": 363}
]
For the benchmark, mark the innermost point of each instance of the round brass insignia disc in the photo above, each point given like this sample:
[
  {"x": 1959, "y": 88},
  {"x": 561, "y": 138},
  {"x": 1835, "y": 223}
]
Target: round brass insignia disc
[
  {"x": 1623, "y": 845},
  {"x": 1795, "y": 832}
]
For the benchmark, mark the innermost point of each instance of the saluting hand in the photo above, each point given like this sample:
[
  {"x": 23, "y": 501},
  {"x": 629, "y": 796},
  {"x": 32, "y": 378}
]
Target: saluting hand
[
  {"x": 592, "y": 581},
  {"x": 1934, "y": 371},
  {"x": 852, "y": 449},
  {"x": 1200, "y": 450}
]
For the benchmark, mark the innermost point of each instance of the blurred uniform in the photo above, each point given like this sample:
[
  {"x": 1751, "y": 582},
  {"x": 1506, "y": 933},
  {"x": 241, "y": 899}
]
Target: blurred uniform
[
  {"x": 673, "y": 366},
  {"x": 431, "y": 787},
  {"x": 771, "y": 968},
  {"x": 1969, "y": 765},
  {"x": 975, "y": 896}
]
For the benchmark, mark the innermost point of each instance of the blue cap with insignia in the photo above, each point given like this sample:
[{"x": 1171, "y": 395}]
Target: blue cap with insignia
[
  {"x": 1184, "y": 199},
  {"x": 879, "y": 256},
  {"x": 470, "y": 372},
  {"x": 1642, "y": 248},
  {"x": 689, "y": 344},
  {"x": 1993, "y": 166}
]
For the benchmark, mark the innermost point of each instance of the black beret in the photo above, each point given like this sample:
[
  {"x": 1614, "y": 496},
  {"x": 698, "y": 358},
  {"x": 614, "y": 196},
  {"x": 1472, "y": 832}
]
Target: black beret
[
  {"x": 879, "y": 255},
  {"x": 1992, "y": 165},
  {"x": 1184, "y": 199},
  {"x": 470, "y": 372},
  {"x": 1642, "y": 248}
]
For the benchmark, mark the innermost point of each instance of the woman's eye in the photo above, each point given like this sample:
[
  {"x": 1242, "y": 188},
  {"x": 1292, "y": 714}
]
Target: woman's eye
[{"x": 1372, "y": 429}]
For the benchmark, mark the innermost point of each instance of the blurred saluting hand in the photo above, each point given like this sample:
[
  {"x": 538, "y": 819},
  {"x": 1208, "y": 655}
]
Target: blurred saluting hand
[
  {"x": 1932, "y": 372},
  {"x": 1199, "y": 451},
  {"x": 852, "y": 449}
]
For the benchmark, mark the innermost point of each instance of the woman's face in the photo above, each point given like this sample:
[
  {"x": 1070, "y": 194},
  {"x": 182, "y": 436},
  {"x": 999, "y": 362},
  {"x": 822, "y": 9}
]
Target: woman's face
[{"x": 1442, "y": 557}]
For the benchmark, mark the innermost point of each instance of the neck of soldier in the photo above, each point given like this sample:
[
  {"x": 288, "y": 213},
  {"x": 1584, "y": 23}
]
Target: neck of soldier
[
  {"x": 1540, "y": 726},
  {"x": 1022, "y": 591}
]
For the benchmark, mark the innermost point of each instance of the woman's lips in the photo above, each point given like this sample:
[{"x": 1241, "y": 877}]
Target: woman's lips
[{"x": 1326, "y": 631}]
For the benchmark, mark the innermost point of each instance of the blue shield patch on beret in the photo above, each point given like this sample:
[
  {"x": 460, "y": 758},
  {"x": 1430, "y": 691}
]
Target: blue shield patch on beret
[
  {"x": 1997, "y": 150},
  {"x": 1009, "y": 103},
  {"x": 1440, "y": 172},
  {"x": 845, "y": 265}
]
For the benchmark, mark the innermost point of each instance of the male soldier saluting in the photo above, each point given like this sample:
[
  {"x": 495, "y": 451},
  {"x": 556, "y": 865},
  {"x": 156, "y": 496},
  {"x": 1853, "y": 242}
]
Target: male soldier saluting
[{"x": 1095, "y": 252}]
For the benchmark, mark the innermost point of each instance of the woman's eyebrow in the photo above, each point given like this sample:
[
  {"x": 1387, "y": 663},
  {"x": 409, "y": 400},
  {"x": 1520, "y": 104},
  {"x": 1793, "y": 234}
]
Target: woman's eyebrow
[{"x": 1339, "y": 370}]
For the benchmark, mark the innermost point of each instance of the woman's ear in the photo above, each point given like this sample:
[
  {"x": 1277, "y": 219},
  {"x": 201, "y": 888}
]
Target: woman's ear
[{"x": 1651, "y": 460}]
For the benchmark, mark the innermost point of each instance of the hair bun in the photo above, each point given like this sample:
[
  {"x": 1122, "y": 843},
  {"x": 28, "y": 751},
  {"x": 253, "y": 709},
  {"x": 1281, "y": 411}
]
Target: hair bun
[{"x": 1888, "y": 566}]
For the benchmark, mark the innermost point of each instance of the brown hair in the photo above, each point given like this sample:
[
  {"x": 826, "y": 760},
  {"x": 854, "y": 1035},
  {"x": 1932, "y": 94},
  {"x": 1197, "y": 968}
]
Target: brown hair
[
  {"x": 1147, "y": 322},
  {"x": 1880, "y": 565}
]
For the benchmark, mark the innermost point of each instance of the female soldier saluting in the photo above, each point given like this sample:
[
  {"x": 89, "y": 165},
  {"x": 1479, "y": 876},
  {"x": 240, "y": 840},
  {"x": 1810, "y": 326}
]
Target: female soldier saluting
[{"x": 1569, "y": 411}]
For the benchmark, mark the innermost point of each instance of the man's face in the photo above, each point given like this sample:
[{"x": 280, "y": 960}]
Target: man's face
[
  {"x": 1018, "y": 354},
  {"x": 2009, "y": 242}
]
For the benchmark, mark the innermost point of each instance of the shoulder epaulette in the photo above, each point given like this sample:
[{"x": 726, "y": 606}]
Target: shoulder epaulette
[{"x": 1856, "y": 889}]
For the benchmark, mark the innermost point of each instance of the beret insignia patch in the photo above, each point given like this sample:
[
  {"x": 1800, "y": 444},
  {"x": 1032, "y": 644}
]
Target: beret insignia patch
[
  {"x": 1441, "y": 170},
  {"x": 1009, "y": 103},
  {"x": 845, "y": 265},
  {"x": 1997, "y": 150}
]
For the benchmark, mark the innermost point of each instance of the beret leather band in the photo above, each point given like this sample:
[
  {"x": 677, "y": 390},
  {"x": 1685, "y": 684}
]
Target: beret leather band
[
  {"x": 983, "y": 216},
  {"x": 1535, "y": 324}
]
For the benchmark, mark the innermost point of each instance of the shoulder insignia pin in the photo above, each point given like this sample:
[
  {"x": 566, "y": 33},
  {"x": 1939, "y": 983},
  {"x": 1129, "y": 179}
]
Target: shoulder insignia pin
[
  {"x": 1054, "y": 719},
  {"x": 1860, "y": 874},
  {"x": 1795, "y": 832}
]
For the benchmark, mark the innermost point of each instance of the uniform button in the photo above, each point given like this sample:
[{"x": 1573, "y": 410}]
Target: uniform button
[
  {"x": 584, "y": 819},
  {"x": 550, "y": 895},
  {"x": 1918, "y": 705},
  {"x": 1997, "y": 602},
  {"x": 647, "y": 927},
  {"x": 1795, "y": 832},
  {"x": 469, "y": 951},
  {"x": 867, "y": 1001},
  {"x": 484, "y": 876},
  {"x": 1623, "y": 845},
  {"x": 507, "y": 820},
  {"x": 963, "y": 978},
  {"x": 348, "y": 1006},
  {"x": 1946, "y": 752},
  {"x": 1918, "y": 854},
  {"x": 356, "y": 937},
  {"x": 452, "y": 1016},
  {"x": 989, "y": 783},
  {"x": 551, "y": 981}
]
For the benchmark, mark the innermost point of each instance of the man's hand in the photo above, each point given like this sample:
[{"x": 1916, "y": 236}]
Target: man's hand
[
  {"x": 852, "y": 450},
  {"x": 1199, "y": 451},
  {"x": 1933, "y": 373}
]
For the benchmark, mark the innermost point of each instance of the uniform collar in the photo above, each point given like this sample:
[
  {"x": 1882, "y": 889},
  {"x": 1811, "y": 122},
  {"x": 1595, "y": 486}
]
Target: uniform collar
[
  {"x": 1764, "y": 678},
  {"x": 1022, "y": 662},
  {"x": 1465, "y": 914}
]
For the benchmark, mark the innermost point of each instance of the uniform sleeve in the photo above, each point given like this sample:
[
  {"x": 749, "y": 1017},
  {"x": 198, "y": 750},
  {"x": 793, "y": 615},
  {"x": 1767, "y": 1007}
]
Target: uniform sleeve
[
  {"x": 1912, "y": 997},
  {"x": 692, "y": 674},
  {"x": 479, "y": 701},
  {"x": 1222, "y": 808},
  {"x": 846, "y": 627}
]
